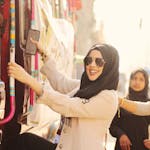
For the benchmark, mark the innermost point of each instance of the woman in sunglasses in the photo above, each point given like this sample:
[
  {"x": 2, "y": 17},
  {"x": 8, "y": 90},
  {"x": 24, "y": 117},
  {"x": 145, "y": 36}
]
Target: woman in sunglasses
[
  {"x": 131, "y": 130},
  {"x": 88, "y": 105}
]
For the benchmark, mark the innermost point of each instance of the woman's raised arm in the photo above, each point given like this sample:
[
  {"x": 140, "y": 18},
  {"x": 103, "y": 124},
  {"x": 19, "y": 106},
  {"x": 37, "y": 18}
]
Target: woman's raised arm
[{"x": 138, "y": 108}]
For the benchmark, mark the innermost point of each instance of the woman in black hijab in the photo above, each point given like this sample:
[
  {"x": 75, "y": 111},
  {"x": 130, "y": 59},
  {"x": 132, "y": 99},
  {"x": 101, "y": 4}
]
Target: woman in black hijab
[
  {"x": 129, "y": 129},
  {"x": 88, "y": 106},
  {"x": 109, "y": 77}
]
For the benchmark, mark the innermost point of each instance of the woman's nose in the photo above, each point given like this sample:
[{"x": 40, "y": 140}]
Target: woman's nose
[{"x": 93, "y": 63}]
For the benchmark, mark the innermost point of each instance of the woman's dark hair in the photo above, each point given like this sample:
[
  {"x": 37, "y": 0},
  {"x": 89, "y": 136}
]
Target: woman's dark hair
[
  {"x": 139, "y": 95},
  {"x": 109, "y": 77}
]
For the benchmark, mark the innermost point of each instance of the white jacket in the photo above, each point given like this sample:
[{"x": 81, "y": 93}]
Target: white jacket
[{"x": 90, "y": 120}]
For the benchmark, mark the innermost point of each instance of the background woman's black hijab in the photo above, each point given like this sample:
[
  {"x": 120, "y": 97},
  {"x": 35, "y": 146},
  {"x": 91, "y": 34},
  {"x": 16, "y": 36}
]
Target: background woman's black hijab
[
  {"x": 139, "y": 95},
  {"x": 109, "y": 77}
]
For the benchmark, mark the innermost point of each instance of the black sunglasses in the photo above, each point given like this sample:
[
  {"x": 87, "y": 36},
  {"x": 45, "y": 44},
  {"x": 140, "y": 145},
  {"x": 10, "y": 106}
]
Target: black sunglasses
[{"x": 99, "y": 61}]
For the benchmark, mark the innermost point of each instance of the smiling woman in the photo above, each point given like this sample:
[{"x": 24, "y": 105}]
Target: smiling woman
[
  {"x": 94, "y": 64},
  {"x": 84, "y": 105}
]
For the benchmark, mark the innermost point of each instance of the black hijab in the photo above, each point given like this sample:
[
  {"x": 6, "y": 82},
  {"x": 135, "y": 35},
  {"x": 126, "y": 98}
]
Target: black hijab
[
  {"x": 109, "y": 77},
  {"x": 139, "y": 95}
]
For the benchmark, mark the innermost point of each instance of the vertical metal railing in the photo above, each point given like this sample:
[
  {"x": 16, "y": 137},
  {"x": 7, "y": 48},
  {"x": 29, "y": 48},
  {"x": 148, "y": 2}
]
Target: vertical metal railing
[{"x": 12, "y": 59}]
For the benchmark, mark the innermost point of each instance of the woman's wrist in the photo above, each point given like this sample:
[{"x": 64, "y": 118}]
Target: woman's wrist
[
  {"x": 35, "y": 85},
  {"x": 43, "y": 53},
  {"x": 121, "y": 100},
  {"x": 29, "y": 80},
  {"x": 44, "y": 57},
  {"x": 128, "y": 105}
]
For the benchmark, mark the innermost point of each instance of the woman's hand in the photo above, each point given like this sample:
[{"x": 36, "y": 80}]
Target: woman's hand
[
  {"x": 38, "y": 46},
  {"x": 16, "y": 71},
  {"x": 147, "y": 143},
  {"x": 42, "y": 52},
  {"x": 125, "y": 142}
]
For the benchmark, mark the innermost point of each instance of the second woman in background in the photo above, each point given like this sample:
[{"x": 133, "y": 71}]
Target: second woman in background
[{"x": 129, "y": 129}]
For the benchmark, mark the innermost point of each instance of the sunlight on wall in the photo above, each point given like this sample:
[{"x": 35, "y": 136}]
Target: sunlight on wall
[{"x": 127, "y": 27}]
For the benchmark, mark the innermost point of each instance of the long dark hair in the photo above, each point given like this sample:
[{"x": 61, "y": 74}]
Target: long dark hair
[
  {"x": 109, "y": 77},
  {"x": 139, "y": 95}
]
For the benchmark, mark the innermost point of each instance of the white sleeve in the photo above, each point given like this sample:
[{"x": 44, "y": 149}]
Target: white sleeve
[
  {"x": 58, "y": 81},
  {"x": 104, "y": 105},
  {"x": 143, "y": 108}
]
